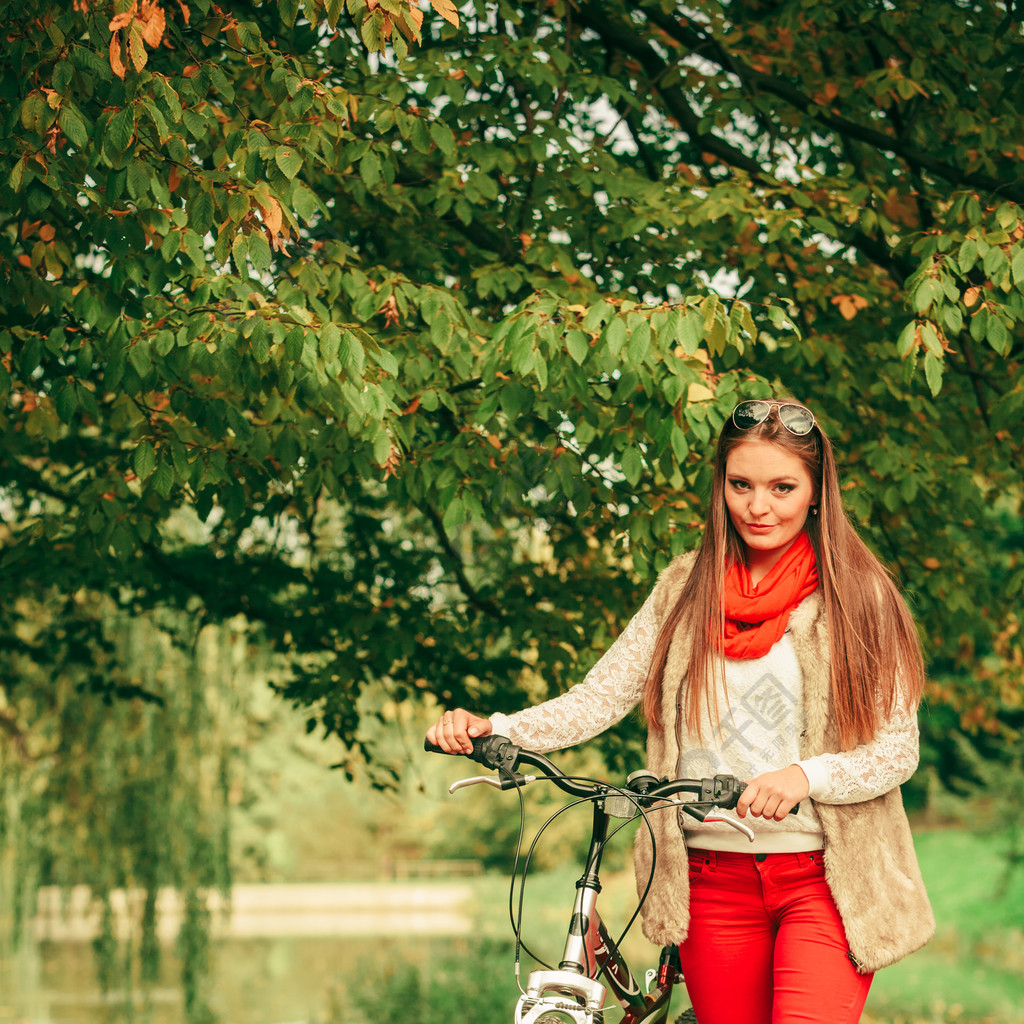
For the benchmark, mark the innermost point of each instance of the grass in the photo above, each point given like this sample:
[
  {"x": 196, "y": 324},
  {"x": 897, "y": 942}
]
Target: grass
[
  {"x": 971, "y": 973},
  {"x": 973, "y": 970}
]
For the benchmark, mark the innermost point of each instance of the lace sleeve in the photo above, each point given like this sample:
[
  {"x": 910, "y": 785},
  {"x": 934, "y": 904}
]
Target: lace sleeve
[
  {"x": 610, "y": 690},
  {"x": 872, "y": 768}
]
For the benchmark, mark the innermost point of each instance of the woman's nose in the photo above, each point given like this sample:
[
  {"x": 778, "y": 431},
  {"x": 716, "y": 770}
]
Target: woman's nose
[{"x": 759, "y": 503}]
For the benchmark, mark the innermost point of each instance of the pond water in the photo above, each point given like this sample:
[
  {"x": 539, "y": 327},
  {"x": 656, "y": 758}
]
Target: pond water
[
  {"x": 292, "y": 954},
  {"x": 281, "y": 980}
]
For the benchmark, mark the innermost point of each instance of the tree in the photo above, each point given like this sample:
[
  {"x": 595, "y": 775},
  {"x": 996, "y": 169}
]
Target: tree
[{"x": 428, "y": 320}]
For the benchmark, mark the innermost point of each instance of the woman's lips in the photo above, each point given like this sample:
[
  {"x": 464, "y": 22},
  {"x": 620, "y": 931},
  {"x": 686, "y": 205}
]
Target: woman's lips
[{"x": 760, "y": 527}]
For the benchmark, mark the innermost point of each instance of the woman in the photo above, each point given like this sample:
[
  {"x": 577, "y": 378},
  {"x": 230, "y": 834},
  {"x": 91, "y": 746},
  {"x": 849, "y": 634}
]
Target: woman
[{"x": 780, "y": 652}]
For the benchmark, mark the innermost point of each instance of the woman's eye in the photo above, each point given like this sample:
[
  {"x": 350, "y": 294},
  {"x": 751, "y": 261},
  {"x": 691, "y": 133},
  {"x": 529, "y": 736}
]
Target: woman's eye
[{"x": 784, "y": 488}]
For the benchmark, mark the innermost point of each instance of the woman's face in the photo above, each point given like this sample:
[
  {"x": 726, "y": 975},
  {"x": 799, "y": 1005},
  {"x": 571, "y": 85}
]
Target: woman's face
[{"x": 768, "y": 491}]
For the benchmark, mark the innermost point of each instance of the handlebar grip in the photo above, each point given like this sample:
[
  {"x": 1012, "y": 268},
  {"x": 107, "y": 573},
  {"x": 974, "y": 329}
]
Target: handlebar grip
[
  {"x": 493, "y": 751},
  {"x": 740, "y": 786},
  {"x": 478, "y": 747}
]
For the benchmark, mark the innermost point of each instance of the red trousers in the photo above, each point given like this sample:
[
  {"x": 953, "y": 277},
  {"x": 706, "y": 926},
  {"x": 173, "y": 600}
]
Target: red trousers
[{"x": 766, "y": 943}]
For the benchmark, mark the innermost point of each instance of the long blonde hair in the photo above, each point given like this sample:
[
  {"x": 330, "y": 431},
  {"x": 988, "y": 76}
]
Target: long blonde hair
[{"x": 874, "y": 646}]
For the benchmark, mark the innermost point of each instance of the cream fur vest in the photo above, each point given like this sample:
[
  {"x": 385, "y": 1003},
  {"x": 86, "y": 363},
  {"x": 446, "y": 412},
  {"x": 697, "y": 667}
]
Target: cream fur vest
[{"x": 870, "y": 862}]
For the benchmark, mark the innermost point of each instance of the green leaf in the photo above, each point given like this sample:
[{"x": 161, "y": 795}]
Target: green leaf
[
  {"x": 200, "y": 212},
  {"x": 120, "y": 130},
  {"x": 164, "y": 478},
  {"x": 18, "y": 174},
  {"x": 351, "y": 354},
  {"x": 66, "y": 400},
  {"x": 259, "y": 340},
  {"x": 639, "y": 342},
  {"x": 259, "y": 251},
  {"x": 597, "y": 315},
  {"x": 369, "y": 169},
  {"x": 680, "y": 446},
  {"x": 139, "y": 357},
  {"x": 690, "y": 331},
  {"x": 632, "y": 466},
  {"x": 577, "y": 346},
  {"x": 933, "y": 372},
  {"x": 289, "y": 160},
  {"x": 998, "y": 336},
  {"x": 906, "y": 341},
  {"x": 454, "y": 515},
  {"x": 925, "y": 294},
  {"x": 170, "y": 245},
  {"x": 144, "y": 460},
  {"x": 931, "y": 340},
  {"x": 443, "y": 138},
  {"x": 615, "y": 335},
  {"x": 371, "y": 31},
  {"x": 239, "y": 206},
  {"x": 304, "y": 201},
  {"x": 419, "y": 135},
  {"x": 968, "y": 255},
  {"x": 72, "y": 125},
  {"x": 1017, "y": 268}
]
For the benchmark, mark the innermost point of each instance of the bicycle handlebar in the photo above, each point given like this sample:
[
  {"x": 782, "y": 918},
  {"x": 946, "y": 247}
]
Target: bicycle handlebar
[{"x": 500, "y": 754}]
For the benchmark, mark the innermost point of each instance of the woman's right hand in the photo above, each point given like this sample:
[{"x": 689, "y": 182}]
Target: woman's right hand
[{"x": 455, "y": 731}]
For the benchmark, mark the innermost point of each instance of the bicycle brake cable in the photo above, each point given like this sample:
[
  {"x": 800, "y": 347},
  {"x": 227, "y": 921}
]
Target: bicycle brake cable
[{"x": 516, "y": 919}]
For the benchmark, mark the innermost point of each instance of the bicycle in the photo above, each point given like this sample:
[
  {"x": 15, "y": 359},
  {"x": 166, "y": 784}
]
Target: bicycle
[{"x": 572, "y": 994}]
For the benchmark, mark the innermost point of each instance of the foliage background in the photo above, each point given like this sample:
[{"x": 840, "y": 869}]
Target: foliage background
[{"x": 395, "y": 340}]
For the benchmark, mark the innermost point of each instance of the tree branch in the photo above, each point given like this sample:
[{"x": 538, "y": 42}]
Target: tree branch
[
  {"x": 848, "y": 129},
  {"x": 458, "y": 567}
]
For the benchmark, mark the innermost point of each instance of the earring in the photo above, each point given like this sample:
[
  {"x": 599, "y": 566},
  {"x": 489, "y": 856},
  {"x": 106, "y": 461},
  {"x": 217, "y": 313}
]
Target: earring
[{"x": 814, "y": 510}]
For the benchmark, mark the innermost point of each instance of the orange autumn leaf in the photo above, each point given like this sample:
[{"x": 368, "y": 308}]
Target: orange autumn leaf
[
  {"x": 116, "y": 63},
  {"x": 849, "y": 305},
  {"x": 390, "y": 311},
  {"x": 272, "y": 216},
  {"x": 124, "y": 19},
  {"x": 146, "y": 25},
  {"x": 447, "y": 11},
  {"x": 154, "y": 23}
]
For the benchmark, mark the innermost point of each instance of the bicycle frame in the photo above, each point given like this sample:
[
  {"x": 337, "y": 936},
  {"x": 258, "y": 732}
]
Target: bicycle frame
[{"x": 591, "y": 953}]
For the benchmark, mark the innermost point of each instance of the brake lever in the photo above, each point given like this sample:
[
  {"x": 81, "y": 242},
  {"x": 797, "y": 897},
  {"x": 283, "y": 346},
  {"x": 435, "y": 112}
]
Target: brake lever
[
  {"x": 504, "y": 782},
  {"x": 716, "y": 814},
  {"x": 703, "y": 811}
]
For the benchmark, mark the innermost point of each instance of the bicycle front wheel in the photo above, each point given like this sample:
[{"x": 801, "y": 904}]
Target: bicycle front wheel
[{"x": 687, "y": 1017}]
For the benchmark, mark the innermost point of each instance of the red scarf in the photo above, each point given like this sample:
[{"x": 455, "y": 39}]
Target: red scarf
[{"x": 756, "y": 617}]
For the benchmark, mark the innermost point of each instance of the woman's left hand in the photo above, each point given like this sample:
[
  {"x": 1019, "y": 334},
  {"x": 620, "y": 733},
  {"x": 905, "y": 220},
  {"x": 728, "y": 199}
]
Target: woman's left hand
[{"x": 774, "y": 794}]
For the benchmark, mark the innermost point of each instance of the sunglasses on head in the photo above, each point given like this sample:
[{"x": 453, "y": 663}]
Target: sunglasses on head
[{"x": 795, "y": 418}]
